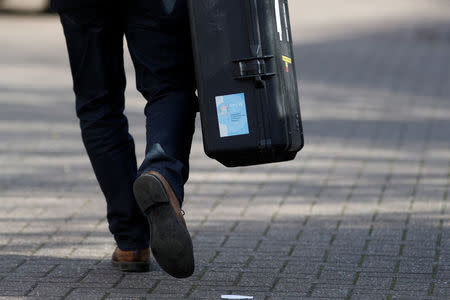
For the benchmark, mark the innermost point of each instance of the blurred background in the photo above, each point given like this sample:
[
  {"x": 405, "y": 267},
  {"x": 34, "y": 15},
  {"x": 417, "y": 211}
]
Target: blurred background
[
  {"x": 363, "y": 211},
  {"x": 22, "y": 6}
]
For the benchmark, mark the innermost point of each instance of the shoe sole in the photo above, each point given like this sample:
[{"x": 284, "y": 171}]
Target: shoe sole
[
  {"x": 132, "y": 266},
  {"x": 170, "y": 241}
]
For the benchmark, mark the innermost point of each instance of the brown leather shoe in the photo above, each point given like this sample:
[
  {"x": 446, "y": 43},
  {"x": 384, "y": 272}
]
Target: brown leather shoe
[
  {"x": 170, "y": 241},
  {"x": 132, "y": 261}
]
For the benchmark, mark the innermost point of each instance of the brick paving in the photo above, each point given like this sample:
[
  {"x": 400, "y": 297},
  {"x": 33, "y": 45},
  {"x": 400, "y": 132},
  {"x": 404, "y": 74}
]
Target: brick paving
[{"x": 362, "y": 213}]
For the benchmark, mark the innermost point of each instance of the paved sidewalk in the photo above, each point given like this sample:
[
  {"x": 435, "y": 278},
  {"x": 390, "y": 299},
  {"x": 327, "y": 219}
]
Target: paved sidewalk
[{"x": 362, "y": 213}]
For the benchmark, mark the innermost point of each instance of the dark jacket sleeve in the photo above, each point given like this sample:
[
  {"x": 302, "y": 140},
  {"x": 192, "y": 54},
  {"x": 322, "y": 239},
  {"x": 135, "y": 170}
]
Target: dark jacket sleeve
[{"x": 67, "y": 5}]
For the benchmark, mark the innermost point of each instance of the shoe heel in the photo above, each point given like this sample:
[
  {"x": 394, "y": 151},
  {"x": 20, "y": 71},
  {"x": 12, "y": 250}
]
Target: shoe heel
[{"x": 149, "y": 192}]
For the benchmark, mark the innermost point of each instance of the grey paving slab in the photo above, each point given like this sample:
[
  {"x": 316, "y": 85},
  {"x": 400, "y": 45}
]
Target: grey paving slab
[
  {"x": 362, "y": 213},
  {"x": 86, "y": 293}
]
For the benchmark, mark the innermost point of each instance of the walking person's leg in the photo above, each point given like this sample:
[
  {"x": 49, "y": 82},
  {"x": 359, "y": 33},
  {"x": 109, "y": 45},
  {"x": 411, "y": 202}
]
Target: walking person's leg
[
  {"x": 159, "y": 41},
  {"x": 95, "y": 45}
]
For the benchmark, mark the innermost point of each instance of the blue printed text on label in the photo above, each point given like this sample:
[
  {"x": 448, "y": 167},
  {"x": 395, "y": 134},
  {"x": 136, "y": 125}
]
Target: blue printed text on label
[{"x": 232, "y": 115}]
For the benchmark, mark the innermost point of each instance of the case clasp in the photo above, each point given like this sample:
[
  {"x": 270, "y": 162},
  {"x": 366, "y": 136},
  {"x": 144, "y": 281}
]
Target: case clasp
[{"x": 254, "y": 68}]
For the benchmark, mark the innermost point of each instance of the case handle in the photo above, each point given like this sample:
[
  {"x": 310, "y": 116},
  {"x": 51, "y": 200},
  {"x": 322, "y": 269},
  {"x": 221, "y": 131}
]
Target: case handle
[{"x": 254, "y": 34}]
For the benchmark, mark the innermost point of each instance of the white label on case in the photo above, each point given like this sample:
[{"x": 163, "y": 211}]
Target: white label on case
[{"x": 278, "y": 17}]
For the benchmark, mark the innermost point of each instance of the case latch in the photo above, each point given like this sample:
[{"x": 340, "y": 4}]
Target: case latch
[{"x": 254, "y": 68}]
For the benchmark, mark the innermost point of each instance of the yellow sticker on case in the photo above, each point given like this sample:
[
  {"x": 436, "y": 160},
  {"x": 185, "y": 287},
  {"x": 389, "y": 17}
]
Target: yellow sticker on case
[{"x": 288, "y": 61}]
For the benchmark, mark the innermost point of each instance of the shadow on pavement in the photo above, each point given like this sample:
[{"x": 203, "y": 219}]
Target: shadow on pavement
[{"x": 375, "y": 111}]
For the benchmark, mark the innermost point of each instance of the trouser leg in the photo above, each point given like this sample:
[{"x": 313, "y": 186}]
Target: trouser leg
[
  {"x": 95, "y": 46},
  {"x": 159, "y": 41}
]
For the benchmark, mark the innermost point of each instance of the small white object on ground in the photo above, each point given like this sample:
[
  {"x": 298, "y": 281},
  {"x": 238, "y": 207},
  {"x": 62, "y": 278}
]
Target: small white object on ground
[{"x": 236, "y": 297}]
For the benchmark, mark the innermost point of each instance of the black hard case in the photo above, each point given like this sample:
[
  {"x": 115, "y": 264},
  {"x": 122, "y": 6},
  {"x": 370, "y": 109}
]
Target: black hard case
[{"x": 240, "y": 47}]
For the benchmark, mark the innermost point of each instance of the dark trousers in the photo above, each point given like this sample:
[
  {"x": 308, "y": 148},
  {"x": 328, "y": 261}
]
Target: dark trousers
[{"x": 157, "y": 34}]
